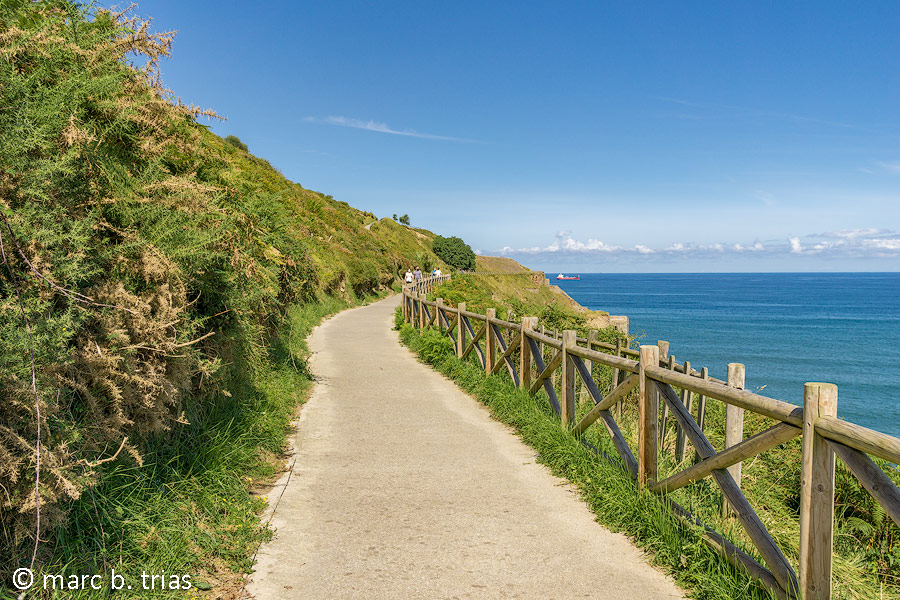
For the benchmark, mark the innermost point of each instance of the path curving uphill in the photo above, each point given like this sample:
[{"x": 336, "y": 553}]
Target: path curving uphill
[{"x": 403, "y": 487}]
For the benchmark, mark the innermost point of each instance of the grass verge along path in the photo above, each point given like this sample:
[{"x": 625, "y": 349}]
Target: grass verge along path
[
  {"x": 187, "y": 510},
  {"x": 607, "y": 489}
]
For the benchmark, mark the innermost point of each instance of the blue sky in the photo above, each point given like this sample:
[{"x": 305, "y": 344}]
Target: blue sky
[{"x": 595, "y": 136}]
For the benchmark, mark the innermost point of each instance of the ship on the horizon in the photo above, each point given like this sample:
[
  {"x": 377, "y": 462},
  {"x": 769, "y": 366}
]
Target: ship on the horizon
[{"x": 568, "y": 277}]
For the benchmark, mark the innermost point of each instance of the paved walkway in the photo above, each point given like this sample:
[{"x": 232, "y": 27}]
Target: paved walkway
[{"x": 404, "y": 488}]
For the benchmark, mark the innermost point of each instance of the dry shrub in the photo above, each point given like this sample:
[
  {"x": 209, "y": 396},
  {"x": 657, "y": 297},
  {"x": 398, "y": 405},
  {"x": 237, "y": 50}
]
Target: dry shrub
[
  {"x": 103, "y": 131},
  {"x": 129, "y": 367}
]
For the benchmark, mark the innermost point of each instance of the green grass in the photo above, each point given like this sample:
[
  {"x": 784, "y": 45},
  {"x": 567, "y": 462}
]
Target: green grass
[
  {"x": 865, "y": 541},
  {"x": 515, "y": 296},
  {"x": 606, "y": 488},
  {"x": 188, "y": 509}
]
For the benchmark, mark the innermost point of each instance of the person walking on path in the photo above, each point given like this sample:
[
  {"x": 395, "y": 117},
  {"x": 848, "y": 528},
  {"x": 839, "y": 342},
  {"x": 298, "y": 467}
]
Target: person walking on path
[
  {"x": 409, "y": 276},
  {"x": 417, "y": 274}
]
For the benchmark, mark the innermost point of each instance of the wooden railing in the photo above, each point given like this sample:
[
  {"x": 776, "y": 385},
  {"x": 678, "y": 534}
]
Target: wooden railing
[
  {"x": 519, "y": 350},
  {"x": 425, "y": 285}
]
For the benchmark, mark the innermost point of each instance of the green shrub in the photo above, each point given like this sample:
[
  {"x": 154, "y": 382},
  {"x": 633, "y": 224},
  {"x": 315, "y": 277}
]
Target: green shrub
[
  {"x": 425, "y": 261},
  {"x": 454, "y": 252},
  {"x": 363, "y": 277},
  {"x": 236, "y": 142}
]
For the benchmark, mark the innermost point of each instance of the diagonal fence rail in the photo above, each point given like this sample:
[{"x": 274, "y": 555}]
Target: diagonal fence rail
[{"x": 519, "y": 349}]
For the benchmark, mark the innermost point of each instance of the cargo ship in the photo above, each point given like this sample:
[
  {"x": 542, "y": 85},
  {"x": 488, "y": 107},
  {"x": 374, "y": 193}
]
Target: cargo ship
[{"x": 568, "y": 277}]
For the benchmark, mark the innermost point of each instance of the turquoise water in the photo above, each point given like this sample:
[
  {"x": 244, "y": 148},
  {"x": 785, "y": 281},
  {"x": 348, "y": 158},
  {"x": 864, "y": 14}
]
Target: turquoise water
[{"x": 787, "y": 328}]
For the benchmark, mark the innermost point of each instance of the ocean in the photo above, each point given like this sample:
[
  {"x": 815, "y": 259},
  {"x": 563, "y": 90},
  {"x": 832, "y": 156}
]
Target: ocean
[{"x": 787, "y": 328}]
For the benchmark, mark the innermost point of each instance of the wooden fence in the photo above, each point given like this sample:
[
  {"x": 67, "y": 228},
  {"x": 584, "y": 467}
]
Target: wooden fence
[
  {"x": 425, "y": 285},
  {"x": 518, "y": 350}
]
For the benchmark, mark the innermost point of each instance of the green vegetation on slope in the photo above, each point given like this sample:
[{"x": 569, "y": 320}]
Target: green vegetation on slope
[
  {"x": 497, "y": 264},
  {"x": 151, "y": 275},
  {"x": 187, "y": 509},
  {"x": 516, "y": 295},
  {"x": 455, "y": 252}
]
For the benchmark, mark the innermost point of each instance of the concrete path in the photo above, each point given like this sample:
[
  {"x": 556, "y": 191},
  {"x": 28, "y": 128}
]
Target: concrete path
[{"x": 403, "y": 487}]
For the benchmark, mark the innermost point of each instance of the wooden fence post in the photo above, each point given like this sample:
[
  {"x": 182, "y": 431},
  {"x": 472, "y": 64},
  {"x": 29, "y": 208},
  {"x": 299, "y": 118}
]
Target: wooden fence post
[
  {"x": 701, "y": 403},
  {"x": 615, "y": 373},
  {"x": 664, "y": 419},
  {"x": 615, "y": 379},
  {"x": 528, "y": 324},
  {"x": 591, "y": 340},
  {"x": 554, "y": 376},
  {"x": 403, "y": 306},
  {"x": 734, "y": 425},
  {"x": 701, "y": 409},
  {"x": 409, "y": 307},
  {"x": 816, "y": 494},
  {"x": 686, "y": 397},
  {"x": 423, "y": 319},
  {"x": 490, "y": 341},
  {"x": 460, "y": 330},
  {"x": 437, "y": 314},
  {"x": 663, "y": 346},
  {"x": 648, "y": 417},
  {"x": 567, "y": 386}
]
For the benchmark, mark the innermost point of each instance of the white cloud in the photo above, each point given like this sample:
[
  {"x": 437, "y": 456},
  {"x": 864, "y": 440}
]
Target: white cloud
[
  {"x": 850, "y": 243},
  {"x": 891, "y": 167},
  {"x": 382, "y": 128},
  {"x": 892, "y": 244},
  {"x": 756, "y": 247},
  {"x": 564, "y": 242},
  {"x": 590, "y": 245},
  {"x": 853, "y": 234}
]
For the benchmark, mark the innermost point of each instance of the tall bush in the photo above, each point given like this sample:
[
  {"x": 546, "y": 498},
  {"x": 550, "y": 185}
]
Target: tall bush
[{"x": 455, "y": 252}]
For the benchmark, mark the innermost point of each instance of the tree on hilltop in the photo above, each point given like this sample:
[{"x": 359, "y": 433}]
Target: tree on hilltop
[{"x": 454, "y": 252}]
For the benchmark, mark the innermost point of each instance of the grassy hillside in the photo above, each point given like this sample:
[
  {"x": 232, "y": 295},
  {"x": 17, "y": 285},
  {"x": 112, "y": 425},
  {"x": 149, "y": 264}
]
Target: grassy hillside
[
  {"x": 498, "y": 264},
  {"x": 518, "y": 294},
  {"x": 155, "y": 284}
]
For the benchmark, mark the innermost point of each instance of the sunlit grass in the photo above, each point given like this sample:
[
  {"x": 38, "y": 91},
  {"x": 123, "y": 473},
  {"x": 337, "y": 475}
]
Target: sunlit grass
[
  {"x": 189, "y": 510},
  {"x": 771, "y": 482}
]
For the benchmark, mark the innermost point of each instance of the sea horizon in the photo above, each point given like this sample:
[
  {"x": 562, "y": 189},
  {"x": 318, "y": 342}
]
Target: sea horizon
[
  {"x": 576, "y": 272},
  {"x": 786, "y": 327}
]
